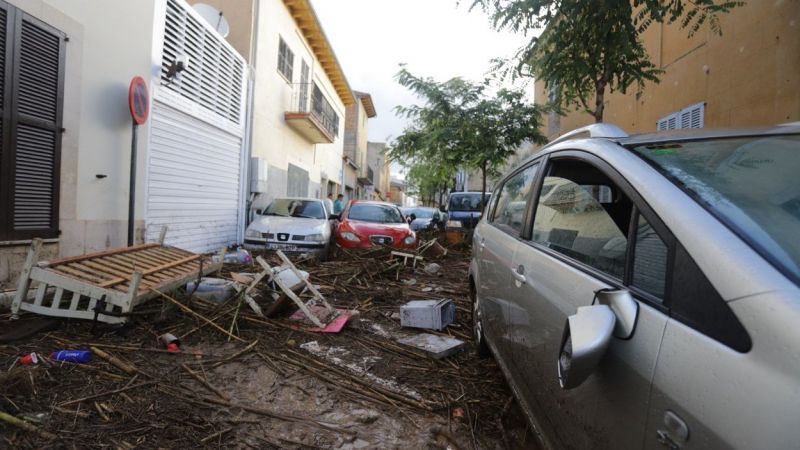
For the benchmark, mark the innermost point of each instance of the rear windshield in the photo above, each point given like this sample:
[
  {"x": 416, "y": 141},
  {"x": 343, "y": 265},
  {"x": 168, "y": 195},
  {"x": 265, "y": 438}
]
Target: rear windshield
[
  {"x": 311, "y": 209},
  {"x": 375, "y": 213},
  {"x": 750, "y": 183},
  {"x": 420, "y": 213},
  {"x": 466, "y": 202}
]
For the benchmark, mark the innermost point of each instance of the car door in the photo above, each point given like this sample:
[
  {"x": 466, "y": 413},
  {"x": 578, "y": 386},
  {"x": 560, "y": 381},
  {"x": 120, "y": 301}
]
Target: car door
[
  {"x": 584, "y": 230},
  {"x": 496, "y": 239}
]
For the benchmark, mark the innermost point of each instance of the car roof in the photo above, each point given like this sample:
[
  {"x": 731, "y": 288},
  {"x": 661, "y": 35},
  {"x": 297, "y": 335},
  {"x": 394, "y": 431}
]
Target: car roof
[
  {"x": 372, "y": 202},
  {"x": 619, "y": 137},
  {"x": 310, "y": 199}
]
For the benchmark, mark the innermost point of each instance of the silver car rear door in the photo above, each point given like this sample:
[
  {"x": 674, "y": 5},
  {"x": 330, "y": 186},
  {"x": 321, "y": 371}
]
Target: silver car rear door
[
  {"x": 585, "y": 226},
  {"x": 496, "y": 240}
]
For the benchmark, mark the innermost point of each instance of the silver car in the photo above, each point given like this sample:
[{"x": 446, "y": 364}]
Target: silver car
[
  {"x": 646, "y": 294},
  {"x": 293, "y": 225}
]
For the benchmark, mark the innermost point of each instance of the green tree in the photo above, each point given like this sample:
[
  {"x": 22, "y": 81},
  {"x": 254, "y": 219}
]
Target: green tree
[
  {"x": 589, "y": 48},
  {"x": 462, "y": 124}
]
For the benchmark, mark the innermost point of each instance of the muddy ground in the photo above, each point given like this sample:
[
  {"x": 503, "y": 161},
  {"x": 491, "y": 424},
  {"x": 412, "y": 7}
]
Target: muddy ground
[{"x": 271, "y": 384}]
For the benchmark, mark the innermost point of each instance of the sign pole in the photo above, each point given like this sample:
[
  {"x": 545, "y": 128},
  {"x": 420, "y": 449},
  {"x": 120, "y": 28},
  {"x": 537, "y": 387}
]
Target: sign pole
[
  {"x": 132, "y": 189},
  {"x": 139, "y": 104}
]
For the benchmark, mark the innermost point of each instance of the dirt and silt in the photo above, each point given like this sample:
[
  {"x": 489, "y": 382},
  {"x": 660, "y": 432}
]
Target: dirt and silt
[{"x": 267, "y": 384}]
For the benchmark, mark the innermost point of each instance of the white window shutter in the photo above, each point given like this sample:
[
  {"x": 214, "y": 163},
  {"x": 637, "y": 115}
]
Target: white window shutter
[
  {"x": 672, "y": 121},
  {"x": 698, "y": 115},
  {"x": 685, "y": 118}
]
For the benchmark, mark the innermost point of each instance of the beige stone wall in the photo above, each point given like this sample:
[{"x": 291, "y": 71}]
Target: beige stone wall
[{"x": 748, "y": 76}]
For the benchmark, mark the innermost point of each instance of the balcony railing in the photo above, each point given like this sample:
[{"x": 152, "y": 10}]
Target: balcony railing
[{"x": 308, "y": 99}]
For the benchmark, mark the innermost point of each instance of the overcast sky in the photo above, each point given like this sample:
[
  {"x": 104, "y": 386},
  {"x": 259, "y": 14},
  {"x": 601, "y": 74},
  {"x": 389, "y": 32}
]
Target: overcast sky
[{"x": 434, "y": 38}]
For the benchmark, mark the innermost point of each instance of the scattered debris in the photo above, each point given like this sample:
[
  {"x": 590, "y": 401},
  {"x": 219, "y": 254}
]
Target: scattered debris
[
  {"x": 246, "y": 380},
  {"x": 211, "y": 289},
  {"x": 435, "y": 345},
  {"x": 432, "y": 268},
  {"x": 104, "y": 286},
  {"x": 171, "y": 342},
  {"x": 30, "y": 359},
  {"x": 74, "y": 356},
  {"x": 430, "y": 314}
]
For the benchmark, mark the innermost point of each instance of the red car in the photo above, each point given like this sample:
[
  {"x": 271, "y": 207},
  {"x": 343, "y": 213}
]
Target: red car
[{"x": 367, "y": 223}]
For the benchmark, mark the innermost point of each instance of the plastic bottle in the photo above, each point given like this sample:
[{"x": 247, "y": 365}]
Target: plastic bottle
[{"x": 76, "y": 356}]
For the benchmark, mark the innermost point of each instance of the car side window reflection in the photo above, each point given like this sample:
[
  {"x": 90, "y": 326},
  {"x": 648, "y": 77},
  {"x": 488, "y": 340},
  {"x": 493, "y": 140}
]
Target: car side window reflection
[
  {"x": 513, "y": 201},
  {"x": 580, "y": 216},
  {"x": 649, "y": 260}
]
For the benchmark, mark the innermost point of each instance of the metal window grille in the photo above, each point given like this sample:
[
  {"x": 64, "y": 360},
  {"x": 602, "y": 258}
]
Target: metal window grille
[
  {"x": 321, "y": 108},
  {"x": 215, "y": 76}
]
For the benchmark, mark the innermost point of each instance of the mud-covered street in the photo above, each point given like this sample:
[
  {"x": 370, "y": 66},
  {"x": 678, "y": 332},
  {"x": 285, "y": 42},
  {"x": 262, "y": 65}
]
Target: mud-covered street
[{"x": 243, "y": 381}]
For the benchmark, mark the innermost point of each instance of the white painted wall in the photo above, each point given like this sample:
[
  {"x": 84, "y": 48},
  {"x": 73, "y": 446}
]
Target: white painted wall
[
  {"x": 115, "y": 45},
  {"x": 273, "y": 140}
]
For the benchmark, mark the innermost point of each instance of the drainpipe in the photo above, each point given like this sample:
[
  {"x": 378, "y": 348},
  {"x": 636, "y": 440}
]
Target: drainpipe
[{"x": 248, "y": 133}]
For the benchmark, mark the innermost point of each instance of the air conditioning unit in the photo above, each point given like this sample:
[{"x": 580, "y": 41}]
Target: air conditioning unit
[{"x": 258, "y": 175}]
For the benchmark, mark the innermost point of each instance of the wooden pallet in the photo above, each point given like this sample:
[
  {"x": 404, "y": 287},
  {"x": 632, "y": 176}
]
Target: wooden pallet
[{"x": 119, "y": 278}]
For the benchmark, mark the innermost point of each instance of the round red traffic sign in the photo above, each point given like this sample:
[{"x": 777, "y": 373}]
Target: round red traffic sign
[{"x": 139, "y": 100}]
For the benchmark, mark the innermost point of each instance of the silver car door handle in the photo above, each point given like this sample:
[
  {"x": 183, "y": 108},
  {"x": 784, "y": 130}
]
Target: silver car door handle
[{"x": 518, "y": 276}]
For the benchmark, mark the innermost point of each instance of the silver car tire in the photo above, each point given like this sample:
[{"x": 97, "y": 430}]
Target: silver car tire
[{"x": 481, "y": 347}]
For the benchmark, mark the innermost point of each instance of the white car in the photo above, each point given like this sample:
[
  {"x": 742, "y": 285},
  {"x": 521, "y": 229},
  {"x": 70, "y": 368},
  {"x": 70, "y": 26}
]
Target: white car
[{"x": 292, "y": 225}]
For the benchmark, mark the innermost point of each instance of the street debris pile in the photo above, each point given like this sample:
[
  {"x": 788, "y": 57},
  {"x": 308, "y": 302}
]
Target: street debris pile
[{"x": 286, "y": 354}]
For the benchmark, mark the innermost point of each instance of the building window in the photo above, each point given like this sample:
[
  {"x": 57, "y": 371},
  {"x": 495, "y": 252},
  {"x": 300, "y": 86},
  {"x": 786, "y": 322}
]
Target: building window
[
  {"x": 31, "y": 101},
  {"x": 690, "y": 117},
  {"x": 285, "y": 59},
  {"x": 215, "y": 77},
  {"x": 323, "y": 110}
]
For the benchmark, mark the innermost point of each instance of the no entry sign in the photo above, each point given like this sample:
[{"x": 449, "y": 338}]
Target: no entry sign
[{"x": 139, "y": 100}]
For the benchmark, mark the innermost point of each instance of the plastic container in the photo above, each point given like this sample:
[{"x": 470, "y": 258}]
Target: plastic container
[
  {"x": 240, "y": 256},
  {"x": 430, "y": 314},
  {"x": 212, "y": 289},
  {"x": 171, "y": 342},
  {"x": 75, "y": 356},
  {"x": 29, "y": 359}
]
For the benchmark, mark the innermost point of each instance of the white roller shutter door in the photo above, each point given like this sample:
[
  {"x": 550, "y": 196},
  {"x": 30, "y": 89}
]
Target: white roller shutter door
[{"x": 193, "y": 182}]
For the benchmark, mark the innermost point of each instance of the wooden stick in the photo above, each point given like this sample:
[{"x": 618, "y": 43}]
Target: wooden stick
[
  {"x": 218, "y": 433},
  {"x": 115, "y": 391},
  {"x": 190, "y": 311},
  {"x": 114, "y": 361},
  {"x": 205, "y": 383},
  {"x": 237, "y": 354},
  {"x": 25, "y": 425}
]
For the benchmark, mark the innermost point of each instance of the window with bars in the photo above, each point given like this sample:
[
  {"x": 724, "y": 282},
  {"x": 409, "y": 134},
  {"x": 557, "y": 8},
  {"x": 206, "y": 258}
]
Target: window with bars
[
  {"x": 285, "y": 59},
  {"x": 215, "y": 75},
  {"x": 324, "y": 112},
  {"x": 689, "y": 117},
  {"x": 31, "y": 102}
]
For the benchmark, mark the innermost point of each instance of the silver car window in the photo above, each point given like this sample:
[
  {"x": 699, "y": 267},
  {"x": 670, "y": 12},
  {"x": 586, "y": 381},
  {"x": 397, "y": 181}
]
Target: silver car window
[
  {"x": 513, "y": 201},
  {"x": 649, "y": 260},
  {"x": 573, "y": 219}
]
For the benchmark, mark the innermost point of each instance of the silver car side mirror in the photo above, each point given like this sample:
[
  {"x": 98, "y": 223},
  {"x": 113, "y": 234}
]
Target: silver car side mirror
[
  {"x": 625, "y": 309},
  {"x": 586, "y": 337}
]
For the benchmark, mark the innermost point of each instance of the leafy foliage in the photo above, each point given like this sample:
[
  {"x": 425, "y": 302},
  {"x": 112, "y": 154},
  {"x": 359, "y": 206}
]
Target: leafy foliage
[
  {"x": 593, "y": 47},
  {"x": 461, "y": 124}
]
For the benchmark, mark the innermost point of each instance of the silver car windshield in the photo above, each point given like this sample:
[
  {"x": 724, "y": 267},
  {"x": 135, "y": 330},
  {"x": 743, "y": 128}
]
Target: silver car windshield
[
  {"x": 310, "y": 209},
  {"x": 751, "y": 184}
]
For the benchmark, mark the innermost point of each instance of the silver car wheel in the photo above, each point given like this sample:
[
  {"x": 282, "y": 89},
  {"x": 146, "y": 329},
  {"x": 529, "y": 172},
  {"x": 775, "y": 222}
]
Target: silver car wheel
[{"x": 477, "y": 326}]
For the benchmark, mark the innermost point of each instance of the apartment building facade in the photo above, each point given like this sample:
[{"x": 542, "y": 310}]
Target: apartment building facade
[
  {"x": 378, "y": 161},
  {"x": 358, "y": 173},
  {"x": 66, "y": 148},
  {"x": 748, "y": 76}
]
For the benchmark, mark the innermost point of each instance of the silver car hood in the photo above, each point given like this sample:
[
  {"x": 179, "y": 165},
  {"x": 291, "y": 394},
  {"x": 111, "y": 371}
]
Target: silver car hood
[{"x": 292, "y": 225}]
